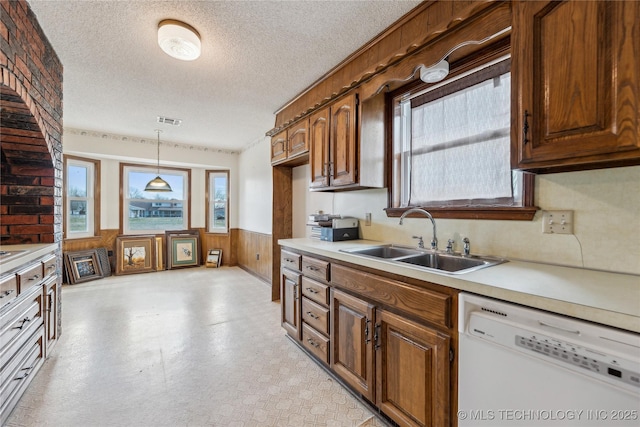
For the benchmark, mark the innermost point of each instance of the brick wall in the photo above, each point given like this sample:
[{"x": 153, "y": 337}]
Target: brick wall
[{"x": 30, "y": 130}]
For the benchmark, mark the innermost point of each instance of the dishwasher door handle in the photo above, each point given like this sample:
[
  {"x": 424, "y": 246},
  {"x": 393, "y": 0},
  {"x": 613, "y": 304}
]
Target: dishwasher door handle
[{"x": 560, "y": 328}]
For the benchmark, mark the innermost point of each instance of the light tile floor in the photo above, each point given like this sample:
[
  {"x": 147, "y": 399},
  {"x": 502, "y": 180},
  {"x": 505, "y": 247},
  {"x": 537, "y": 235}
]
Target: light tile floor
[{"x": 190, "y": 347}]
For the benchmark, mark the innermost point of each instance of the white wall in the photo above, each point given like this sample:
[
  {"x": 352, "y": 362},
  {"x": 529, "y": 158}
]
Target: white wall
[
  {"x": 255, "y": 188},
  {"x": 112, "y": 150},
  {"x": 606, "y": 205}
]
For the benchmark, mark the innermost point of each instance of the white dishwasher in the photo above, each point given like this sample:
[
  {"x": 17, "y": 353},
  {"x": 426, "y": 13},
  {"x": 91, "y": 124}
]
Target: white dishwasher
[{"x": 522, "y": 367}]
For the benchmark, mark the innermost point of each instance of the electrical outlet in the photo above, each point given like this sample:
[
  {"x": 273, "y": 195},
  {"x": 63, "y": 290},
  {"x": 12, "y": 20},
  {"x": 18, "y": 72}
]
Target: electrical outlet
[
  {"x": 557, "y": 222},
  {"x": 367, "y": 218},
  {"x": 257, "y": 257}
]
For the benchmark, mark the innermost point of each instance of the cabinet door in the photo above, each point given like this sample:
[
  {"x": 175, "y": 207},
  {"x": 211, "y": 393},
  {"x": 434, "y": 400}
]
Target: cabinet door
[
  {"x": 298, "y": 139},
  {"x": 319, "y": 148},
  {"x": 343, "y": 151},
  {"x": 576, "y": 84},
  {"x": 412, "y": 372},
  {"x": 279, "y": 147},
  {"x": 290, "y": 302},
  {"x": 352, "y": 321},
  {"x": 50, "y": 291}
]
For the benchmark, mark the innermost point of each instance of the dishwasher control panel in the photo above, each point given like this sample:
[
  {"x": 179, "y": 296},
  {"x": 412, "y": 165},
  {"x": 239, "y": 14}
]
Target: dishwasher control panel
[{"x": 580, "y": 357}]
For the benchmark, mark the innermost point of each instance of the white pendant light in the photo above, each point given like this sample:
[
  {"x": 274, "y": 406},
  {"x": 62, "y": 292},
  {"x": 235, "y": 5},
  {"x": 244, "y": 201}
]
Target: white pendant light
[
  {"x": 158, "y": 184},
  {"x": 179, "y": 40}
]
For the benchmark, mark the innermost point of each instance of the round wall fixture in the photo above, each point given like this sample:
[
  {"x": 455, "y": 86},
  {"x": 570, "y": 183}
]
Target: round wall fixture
[
  {"x": 435, "y": 73},
  {"x": 179, "y": 40}
]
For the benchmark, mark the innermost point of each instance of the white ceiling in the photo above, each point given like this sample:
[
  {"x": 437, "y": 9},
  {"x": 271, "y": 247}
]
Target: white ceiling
[{"x": 256, "y": 56}]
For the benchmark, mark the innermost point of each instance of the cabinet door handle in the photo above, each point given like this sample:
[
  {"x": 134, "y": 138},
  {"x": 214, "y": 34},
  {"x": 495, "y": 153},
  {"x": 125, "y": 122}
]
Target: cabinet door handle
[
  {"x": 525, "y": 126},
  {"x": 376, "y": 336},
  {"x": 49, "y": 302},
  {"x": 366, "y": 331}
]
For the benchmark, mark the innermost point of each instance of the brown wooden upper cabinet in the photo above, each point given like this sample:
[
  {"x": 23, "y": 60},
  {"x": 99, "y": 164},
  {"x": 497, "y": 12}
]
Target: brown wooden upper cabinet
[
  {"x": 291, "y": 146},
  {"x": 334, "y": 144},
  {"x": 576, "y": 85}
]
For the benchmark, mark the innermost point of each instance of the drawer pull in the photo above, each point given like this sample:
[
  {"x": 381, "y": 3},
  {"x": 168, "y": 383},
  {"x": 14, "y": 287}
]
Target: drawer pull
[
  {"x": 313, "y": 316},
  {"x": 313, "y": 343},
  {"x": 313, "y": 291},
  {"x": 288, "y": 260},
  {"x": 26, "y": 374},
  {"x": 51, "y": 267},
  {"x": 34, "y": 277},
  {"x": 6, "y": 293},
  {"x": 312, "y": 268},
  {"x": 24, "y": 322}
]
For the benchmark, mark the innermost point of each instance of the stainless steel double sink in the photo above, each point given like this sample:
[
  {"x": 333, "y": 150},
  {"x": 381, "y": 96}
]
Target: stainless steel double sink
[{"x": 442, "y": 262}]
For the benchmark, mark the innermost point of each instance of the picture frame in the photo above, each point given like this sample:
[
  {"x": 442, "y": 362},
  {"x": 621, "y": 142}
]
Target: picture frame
[
  {"x": 214, "y": 258},
  {"x": 135, "y": 254},
  {"x": 183, "y": 249},
  {"x": 105, "y": 262},
  {"x": 168, "y": 235},
  {"x": 159, "y": 252},
  {"x": 82, "y": 266}
]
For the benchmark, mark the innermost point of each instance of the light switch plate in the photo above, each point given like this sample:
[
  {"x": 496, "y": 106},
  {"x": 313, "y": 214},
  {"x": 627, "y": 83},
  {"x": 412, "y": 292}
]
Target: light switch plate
[
  {"x": 557, "y": 222},
  {"x": 367, "y": 218}
]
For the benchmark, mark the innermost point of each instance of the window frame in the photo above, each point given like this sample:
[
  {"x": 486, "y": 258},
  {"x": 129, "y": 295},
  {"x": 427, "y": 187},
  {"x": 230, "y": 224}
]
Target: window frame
[
  {"x": 95, "y": 205},
  {"x": 453, "y": 209},
  {"x": 209, "y": 221},
  {"x": 135, "y": 167}
]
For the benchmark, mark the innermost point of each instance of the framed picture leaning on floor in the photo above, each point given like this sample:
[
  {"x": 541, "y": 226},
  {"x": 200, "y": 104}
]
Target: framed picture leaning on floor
[
  {"x": 214, "y": 258},
  {"x": 82, "y": 266},
  {"x": 135, "y": 254},
  {"x": 183, "y": 250}
]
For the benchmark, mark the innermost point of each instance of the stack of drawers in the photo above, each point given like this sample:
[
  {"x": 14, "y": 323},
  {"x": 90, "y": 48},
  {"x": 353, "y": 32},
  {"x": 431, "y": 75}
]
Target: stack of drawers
[
  {"x": 315, "y": 307},
  {"x": 28, "y": 322}
]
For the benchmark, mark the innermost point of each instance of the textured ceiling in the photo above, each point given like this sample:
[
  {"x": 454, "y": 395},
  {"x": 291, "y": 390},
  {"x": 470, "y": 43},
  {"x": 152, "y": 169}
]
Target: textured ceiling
[{"x": 256, "y": 56}]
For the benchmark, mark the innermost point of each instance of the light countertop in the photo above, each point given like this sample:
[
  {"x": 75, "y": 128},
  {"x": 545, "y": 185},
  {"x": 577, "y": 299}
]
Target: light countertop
[
  {"x": 608, "y": 298},
  {"x": 25, "y": 253}
]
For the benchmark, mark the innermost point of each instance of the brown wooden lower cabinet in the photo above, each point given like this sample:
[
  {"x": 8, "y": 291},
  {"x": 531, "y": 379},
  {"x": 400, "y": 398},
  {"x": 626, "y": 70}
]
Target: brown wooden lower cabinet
[
  {"x": 352, "y": 341},
  {"x": 412, "y": 372},
  {"x": 387, "y": 340},
  {"x": 290, "y": 302}
]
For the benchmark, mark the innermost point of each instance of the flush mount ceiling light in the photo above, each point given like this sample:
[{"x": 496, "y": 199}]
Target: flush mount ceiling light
[
  {"x": 158, "y": 184},
  {"x": 179, "y": 40},
  {"x": 435, "y": 73}
]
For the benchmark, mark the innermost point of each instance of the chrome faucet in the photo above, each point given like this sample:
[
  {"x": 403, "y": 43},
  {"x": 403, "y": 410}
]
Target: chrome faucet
[
  {"x": 466, "y": 249},
  {"x": 434, "y": 240},
  {"x": 450, "y": 243}
]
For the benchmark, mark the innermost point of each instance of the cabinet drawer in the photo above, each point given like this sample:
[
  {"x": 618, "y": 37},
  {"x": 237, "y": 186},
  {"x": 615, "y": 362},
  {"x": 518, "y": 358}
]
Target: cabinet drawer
[
  {"x": 425, "y": 304},
  {"x": 315, "y": 343},
  {"x": 315, "y": 291},
  {"x": 49, "y": 265},
  {"x": 315, "y": 315},
  {"x": 315, "y": 268},
  {"x": 29, "y": 276},
  {"x": 18, "y": 320},
  {"x": 290, "y": 260},
  {"x": 19, "y": 371},
  {"x": 8, "y": 289}
]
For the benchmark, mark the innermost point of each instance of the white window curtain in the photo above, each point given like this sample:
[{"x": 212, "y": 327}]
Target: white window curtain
[{"x": 460, "y": 145}]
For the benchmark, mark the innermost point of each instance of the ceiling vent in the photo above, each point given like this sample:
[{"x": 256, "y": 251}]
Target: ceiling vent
[{"x": 168, "y": 121}]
